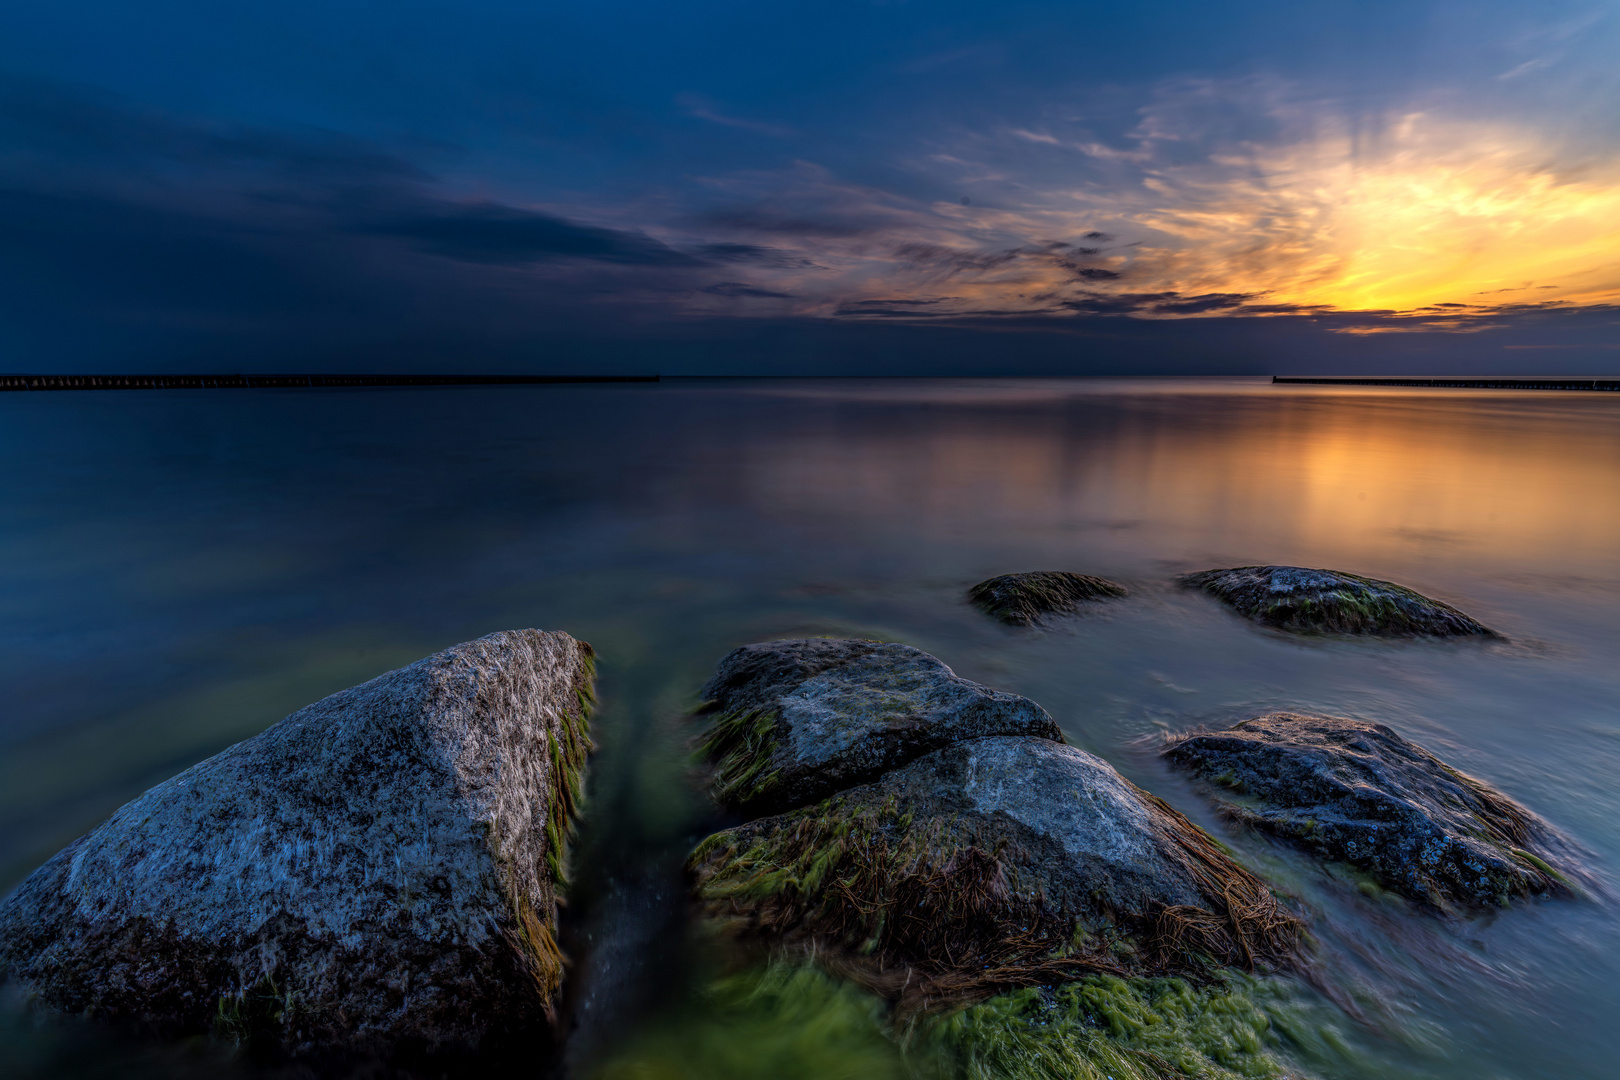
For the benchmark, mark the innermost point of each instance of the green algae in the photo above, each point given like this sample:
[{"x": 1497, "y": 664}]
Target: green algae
[
  {"x": 791, "y": 1019},
  {"x": 1107, "y": 1028},
  {"x": 935, "y": 912},
  {"x": 738, "y": 746},
  {"x": 781, "y": 1021},
  {"x": 1332, "y": 602},
  {"x": 1024, "y": 599}
]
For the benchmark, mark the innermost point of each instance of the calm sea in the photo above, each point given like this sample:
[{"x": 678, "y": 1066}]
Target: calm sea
[{"x": 183, "y": 568}]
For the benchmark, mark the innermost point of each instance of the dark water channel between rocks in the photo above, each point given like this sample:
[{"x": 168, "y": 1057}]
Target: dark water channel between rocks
[{"x": 183, "y": 568}]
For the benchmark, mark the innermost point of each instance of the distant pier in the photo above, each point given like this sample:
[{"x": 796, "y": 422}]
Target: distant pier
[
  {"x": 258, "y": 382},
  {"x": 1467, "y": 382}
]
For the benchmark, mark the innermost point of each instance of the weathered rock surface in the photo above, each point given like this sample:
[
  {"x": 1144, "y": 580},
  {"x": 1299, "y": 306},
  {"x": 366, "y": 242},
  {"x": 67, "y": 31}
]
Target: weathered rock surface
[
  {"x": 1329, "y": 602},
  {"x": 1357, "y": 792},
  {"x": 794, "y": 721},
  {"x": 995, "y": 862},
  {"x": 1026, "y": 599},
  {"x": 375, "y": 874}
]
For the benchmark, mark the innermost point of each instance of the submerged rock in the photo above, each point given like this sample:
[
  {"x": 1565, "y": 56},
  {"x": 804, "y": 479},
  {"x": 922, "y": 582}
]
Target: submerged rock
[
  {"x": 995, "y": 862},
  {"x": 793, "y": 721},
  {"x": 1356, "y": 792},
  {"x": 1326, "y": 601},
  {"x": 1025, "y": 599},
  {"x": 375, "y": 874}
]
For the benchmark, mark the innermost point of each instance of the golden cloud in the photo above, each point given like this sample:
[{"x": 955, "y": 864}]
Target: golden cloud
[{"x": 1438, "y": 219}]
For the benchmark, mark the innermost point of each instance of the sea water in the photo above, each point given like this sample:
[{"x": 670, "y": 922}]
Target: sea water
[{"x": 183, "y": 568}]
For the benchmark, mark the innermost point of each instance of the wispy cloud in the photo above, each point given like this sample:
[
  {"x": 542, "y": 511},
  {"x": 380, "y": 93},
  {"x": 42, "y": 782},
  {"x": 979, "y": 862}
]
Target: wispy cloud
[
  {"x": 1224, "y": 198},
  {"x": 701, "y": 108}
]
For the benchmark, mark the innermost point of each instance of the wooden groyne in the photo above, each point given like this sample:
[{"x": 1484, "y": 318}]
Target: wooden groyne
[
  {"x": 1467, "y": 382},
  {"x": 257, "y": 382}
]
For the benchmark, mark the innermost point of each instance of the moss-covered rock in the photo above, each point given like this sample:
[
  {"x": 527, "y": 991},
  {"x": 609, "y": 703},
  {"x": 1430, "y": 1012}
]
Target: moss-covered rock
[
  {"x": 1329, "y": 602},
  {"x": 375, "y": 875},
  {"x": 1026, "y": 599},
  {"x": 993, "y": 863},
  {"x": 1353, "y": 791},
  {"x": 790, "y": 722}
]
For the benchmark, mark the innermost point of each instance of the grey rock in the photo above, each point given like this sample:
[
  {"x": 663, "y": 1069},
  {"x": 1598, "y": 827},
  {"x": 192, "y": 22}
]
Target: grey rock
[
  {"x": 1028, "y": 598},
  {"x": 994, "y": 862},
  {"x": 1327, "y": 601},
  {"x": 377, "y": 874},
  {"x": 1354, "y": 791},
  {"x": 793, "y": 721}
]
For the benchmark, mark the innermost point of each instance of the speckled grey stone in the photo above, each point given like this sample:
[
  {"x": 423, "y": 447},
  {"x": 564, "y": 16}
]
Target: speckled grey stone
[
  {"x": 1330, "y": 602},
  {"x": 1354, "y": 791},
  {"x": 794, "y": 721},
  {"x": 375, "y": 874}
]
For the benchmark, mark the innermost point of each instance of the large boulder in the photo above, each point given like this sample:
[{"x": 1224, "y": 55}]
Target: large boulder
[
  {"x": 1356, "y": 792},
  {"x": 791, "y": 722},
  {"x": 995, "y": 862},
  {"x": 1028, "y": 598},
  {"x": 377, "y": 874},
  {"x": 1329, "y": 602}
]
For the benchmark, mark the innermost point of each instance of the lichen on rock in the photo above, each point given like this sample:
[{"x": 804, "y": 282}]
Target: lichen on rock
[
  {"x": 993, "y": 863},
  {"x": 790, "y": 722},
  {"x": 377, "y": 874},
  {"x": 1027, "y": 599},
  {"x": 1330, "y": 602},
  {"x": 1354, "y": 791}
]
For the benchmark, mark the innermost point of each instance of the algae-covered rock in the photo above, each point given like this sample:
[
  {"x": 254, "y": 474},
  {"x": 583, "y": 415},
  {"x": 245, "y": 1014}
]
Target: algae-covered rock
[
  {"x": 1357, "y": 792},
  {"x": 1026, "y": 599},
  {"x": 793, "y": 721},
  {"x": 1330, "y": 602},
  {"x": 375, "y": 874},
  {"x": 996, "y": 862}
]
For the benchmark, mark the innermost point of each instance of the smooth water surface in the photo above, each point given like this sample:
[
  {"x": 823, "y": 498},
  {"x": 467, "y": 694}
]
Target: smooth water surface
[{"x": 183, "y": 568}]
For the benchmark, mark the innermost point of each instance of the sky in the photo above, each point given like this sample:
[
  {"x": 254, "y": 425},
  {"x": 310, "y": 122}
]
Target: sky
[{"x": 878, "y": 187}]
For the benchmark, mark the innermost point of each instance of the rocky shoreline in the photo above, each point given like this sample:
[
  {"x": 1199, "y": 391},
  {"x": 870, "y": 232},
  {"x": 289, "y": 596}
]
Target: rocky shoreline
[{"x": 378, "y": 876}]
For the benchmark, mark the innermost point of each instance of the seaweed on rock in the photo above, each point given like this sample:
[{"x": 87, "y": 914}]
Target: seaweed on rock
[
  {"x": 1353, "y": 791},
  {"x": 943, "y": 883},
  {"x": 790, "y": 1019},
  {"x": 1330, "y": 602},
  {"x": 1025, "y": 599},
  {"x": 378, "y": 874},
  {"x": 792, "y": 721}
]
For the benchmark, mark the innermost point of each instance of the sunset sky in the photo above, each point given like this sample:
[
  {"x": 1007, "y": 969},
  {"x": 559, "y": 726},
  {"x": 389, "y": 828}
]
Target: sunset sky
[{"x": 843, "y": 187}]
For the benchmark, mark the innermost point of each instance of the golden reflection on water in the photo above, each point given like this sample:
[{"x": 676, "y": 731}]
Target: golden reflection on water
[{"x": 1346, "y": 478}]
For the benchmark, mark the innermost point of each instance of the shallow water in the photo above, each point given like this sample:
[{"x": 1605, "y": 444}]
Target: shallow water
[{"x": 182, "y": 568}]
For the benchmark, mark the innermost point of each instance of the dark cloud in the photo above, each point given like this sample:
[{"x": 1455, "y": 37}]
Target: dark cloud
[
  {"x": 953, "y": 259},
  {"x": 791, "y": 221},
  {"x": 1159, "y": 303},
  {"x": 739, "y": 288},
  {"x": 492, "y": 233},
  {"x": 57, "y": 131},
  {"x": 754, "y": 253}
]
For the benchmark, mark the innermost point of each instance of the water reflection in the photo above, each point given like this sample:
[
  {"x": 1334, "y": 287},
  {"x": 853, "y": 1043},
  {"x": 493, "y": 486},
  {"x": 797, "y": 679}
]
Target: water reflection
[{"x": 182, "y": 569}]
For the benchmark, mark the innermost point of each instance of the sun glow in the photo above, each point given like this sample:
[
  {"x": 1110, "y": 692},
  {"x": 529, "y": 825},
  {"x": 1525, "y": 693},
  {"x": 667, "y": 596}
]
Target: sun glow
[
  {"x": 1465, "y": 217},
  {"x": 1438, "y": 220}
]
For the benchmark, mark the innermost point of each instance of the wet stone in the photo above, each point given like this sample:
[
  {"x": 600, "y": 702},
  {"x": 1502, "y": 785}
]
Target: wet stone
[
  {"x": 375, "y": 876},
  {"x": 791, "y": 722},
  {"x": 1353, "y": 791},
  {"x": 995, "y": 862},
  {"x": 1329, "y": 602},
  {"x": 1029, "y": 598}
]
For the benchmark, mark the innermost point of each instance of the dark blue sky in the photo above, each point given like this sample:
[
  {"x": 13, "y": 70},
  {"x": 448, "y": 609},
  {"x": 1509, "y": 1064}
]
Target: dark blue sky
[{"x": 851, "y": 187}]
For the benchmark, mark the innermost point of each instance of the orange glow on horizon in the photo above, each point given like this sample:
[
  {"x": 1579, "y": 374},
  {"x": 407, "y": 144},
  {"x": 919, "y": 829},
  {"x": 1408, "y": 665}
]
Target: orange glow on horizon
[{"x": 1440, "y": 220}]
